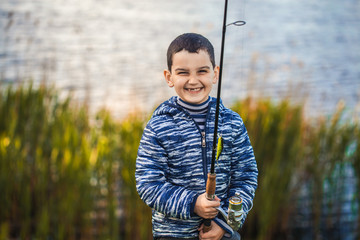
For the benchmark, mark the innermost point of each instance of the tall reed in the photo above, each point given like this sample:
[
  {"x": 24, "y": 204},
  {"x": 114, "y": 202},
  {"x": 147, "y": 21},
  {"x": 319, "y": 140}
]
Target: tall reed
[
  {"x": 43, "y": 165},
  {"x": 326, "y": 161},
  {"x": 67, "y": 175},
  {"x": 137, "y": 216},
  {"x": 294, "y": 155},
  {"x": 64, "y": 174},
  {"x": 275, "y": 135}
]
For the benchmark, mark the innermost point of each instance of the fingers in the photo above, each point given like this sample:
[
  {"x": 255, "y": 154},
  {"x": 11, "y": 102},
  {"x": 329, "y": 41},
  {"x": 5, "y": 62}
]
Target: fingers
[
  {"x": 210, "y": 210},
  {"x": 206, "y": 208},
  {"x": 211, "y": 215},
  {"x": 215, "y": 233},
  {"x": 214, "y": 203}
]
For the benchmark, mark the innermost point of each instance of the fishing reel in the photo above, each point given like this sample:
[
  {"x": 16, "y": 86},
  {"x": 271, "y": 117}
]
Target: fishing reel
[{"x": 235, "y": 212}]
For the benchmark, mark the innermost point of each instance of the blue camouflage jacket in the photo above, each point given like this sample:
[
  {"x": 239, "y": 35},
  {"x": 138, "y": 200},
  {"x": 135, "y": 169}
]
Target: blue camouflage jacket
[{"x": 173, "y": 161}]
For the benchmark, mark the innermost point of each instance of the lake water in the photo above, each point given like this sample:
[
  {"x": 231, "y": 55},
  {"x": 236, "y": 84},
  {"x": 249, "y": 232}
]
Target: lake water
[{"x": 112, "y": 52}]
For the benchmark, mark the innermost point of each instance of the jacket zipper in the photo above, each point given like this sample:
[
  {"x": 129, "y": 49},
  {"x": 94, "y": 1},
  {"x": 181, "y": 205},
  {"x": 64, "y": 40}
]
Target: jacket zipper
[
  {"x": 203, "y": 148},
  {"x": 203, "y": 140}
]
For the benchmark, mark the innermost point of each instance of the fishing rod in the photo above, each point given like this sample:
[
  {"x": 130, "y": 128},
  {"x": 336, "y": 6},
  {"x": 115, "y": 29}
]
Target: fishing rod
[{"x": 217, "y": 145}]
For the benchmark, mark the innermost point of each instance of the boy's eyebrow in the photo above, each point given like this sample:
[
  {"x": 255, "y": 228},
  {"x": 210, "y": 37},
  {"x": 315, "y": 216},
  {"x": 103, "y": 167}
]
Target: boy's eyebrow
[
  {"x": 185, "y": 69},
  {"x": 181, "y": 69},
  {"x": 204, "y": 67}
]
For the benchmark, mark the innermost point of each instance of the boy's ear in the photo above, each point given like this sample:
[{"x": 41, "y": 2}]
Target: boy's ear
[
  {"x": 167, "y": 75},
  {"x": 216, "y": 74}
]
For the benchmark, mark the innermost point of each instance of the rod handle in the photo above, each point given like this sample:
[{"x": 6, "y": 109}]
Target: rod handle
[
  {"x": 207, "y": 225},
  {"x": 211, "y": 186},
  {"x": 210, "y": 195}
]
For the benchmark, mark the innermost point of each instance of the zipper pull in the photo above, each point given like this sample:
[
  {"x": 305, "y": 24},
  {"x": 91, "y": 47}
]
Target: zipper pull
[{"x": 203, "y": 142}]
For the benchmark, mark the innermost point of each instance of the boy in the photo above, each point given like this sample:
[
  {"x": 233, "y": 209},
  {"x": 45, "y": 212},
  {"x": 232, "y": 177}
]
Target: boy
[{"x": 175, "y": 150}]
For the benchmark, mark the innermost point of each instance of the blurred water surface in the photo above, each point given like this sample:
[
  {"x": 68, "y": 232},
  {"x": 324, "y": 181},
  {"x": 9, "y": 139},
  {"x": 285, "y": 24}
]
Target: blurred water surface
[{"x": 112, "y": 52}]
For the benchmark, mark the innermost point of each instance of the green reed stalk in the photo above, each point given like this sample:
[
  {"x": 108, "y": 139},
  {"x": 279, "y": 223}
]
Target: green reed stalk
[
  {"x": 42, "y": 156},
  {"x": 275, "y": 135},
  {"x": 292, "y": 152},
  {"x": 137, "y": 215},
  {"x": 67, "y": 175}
]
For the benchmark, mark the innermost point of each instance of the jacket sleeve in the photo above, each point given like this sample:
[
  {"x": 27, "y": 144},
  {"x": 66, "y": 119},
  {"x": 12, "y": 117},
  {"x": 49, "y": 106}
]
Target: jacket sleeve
[
  {"x": 151, "y": 182},
  {"x": 244, "y": 171}
]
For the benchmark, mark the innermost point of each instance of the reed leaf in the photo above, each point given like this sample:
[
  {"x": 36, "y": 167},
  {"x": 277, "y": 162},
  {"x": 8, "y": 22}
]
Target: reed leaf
[{"x": 67, "y": 175}]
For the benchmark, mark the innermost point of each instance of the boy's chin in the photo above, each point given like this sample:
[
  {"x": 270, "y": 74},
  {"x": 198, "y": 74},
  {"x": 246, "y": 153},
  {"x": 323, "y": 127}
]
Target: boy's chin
[{"x": 195, "y": 100}]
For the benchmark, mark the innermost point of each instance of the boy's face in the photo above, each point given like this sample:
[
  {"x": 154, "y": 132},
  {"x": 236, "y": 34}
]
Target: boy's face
[{"x": 192, "y": 75}]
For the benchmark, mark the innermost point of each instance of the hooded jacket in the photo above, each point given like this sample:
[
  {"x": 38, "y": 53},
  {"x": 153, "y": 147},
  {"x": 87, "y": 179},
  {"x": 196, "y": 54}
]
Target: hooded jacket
[{"x": 173, "y": 161}]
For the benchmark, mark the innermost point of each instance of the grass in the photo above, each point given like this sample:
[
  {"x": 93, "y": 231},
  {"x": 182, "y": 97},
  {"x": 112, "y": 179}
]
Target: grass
[{"x": 67, "y": 175}]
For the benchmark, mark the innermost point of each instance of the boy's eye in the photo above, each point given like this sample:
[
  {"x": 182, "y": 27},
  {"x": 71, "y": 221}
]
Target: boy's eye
[
  {"x": 203, "y": 71},
  {"x": 182, "y": 73}
]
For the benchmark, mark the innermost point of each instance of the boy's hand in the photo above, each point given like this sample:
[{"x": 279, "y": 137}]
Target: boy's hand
[
  {"x": 206, "y": 208},
  {"x": 215, "y": 233}
]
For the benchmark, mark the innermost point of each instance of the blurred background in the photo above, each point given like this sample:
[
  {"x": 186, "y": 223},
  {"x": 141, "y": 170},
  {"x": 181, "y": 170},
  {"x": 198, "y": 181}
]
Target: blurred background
[
  {"x": 89, "y": 74},
  {"x": 114, "y": 52}
]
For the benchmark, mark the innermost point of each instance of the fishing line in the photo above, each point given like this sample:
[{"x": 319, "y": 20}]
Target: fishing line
[
  {"x": 242, "y": 44},
  {"x": 225, "y": 25},
  {"x": 211, "y": 180},
  {"x": 236, "y": 69}
]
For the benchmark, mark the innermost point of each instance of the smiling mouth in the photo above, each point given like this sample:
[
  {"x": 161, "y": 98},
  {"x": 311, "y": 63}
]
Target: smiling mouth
[{"x": 194, "y": 89}]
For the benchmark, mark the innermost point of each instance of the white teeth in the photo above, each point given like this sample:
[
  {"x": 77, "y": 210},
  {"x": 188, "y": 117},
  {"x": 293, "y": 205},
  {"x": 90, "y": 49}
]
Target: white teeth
[{"x": 194, "y": 89}]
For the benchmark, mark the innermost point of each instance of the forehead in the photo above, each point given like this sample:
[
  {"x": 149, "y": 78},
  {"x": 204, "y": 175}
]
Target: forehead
[{"x": 185, "y": 59}]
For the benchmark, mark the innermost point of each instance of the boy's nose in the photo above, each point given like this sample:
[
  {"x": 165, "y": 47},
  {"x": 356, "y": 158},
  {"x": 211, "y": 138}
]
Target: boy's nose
[{"x": 192, "y": 79}]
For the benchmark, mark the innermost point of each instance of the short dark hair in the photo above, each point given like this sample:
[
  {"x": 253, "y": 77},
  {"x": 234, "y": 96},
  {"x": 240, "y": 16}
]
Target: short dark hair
[{"x": 191, "y": 42}]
